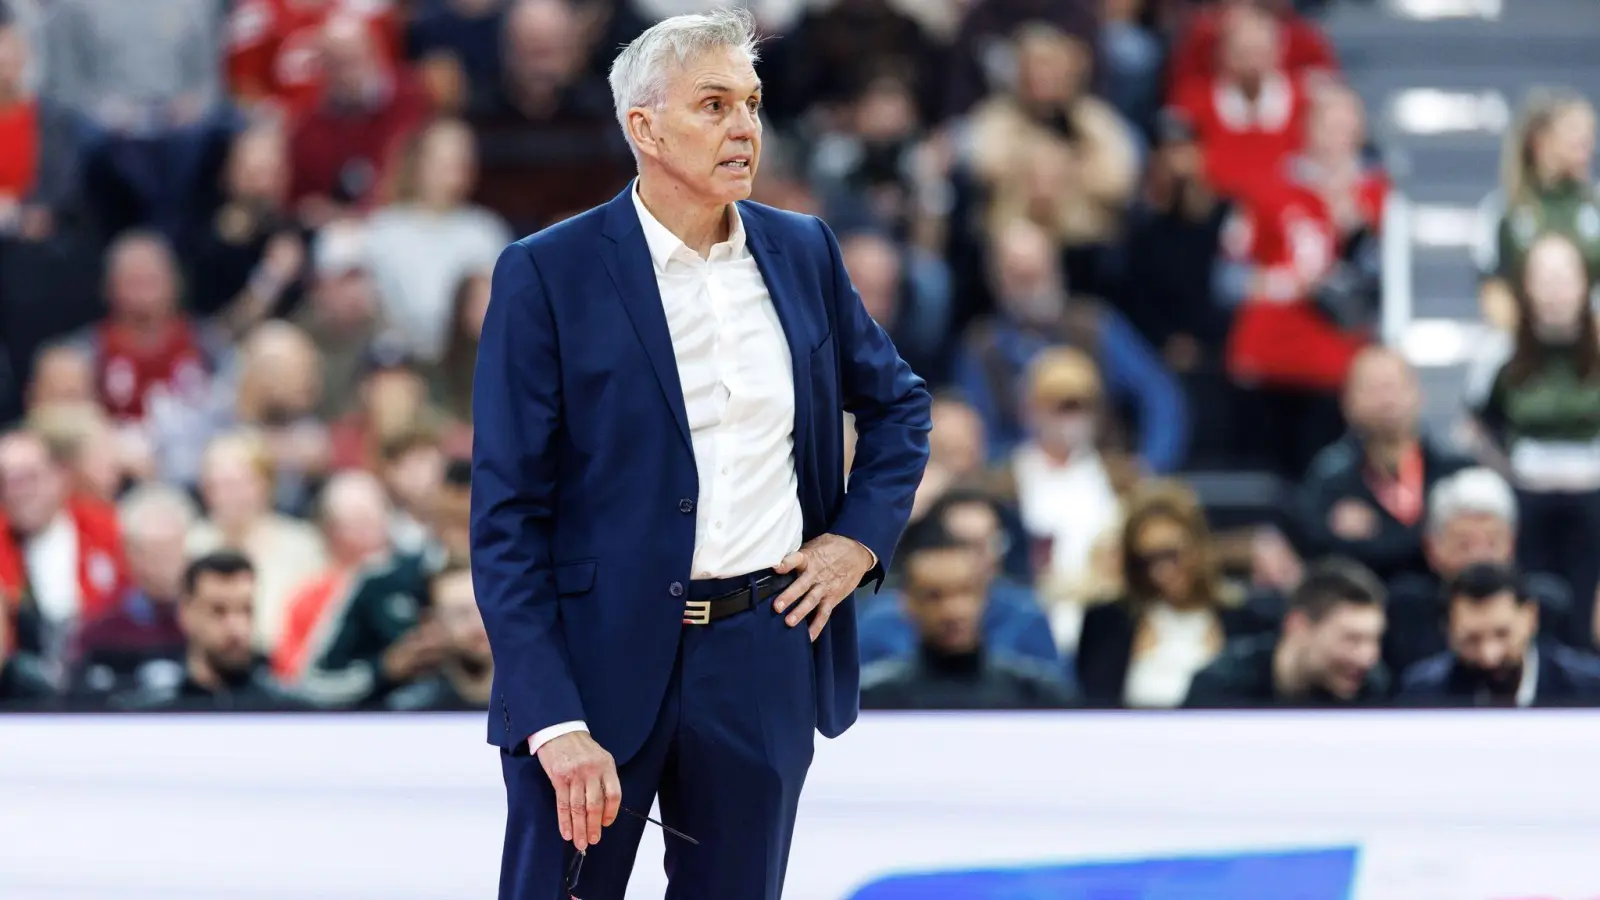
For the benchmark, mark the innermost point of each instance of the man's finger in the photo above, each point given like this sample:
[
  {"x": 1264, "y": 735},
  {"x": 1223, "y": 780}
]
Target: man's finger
[
  {"x": 595, "y": 805},
  {"x": 790, "y": 563},
  {"x": 564, "y": 810},
  {"x": 794, "y": 591},
  {"x": 578, "y": 791},
  {"x": 806, "y": 605},
  {"x": 819, "y": 619},
  {"x": 613, "y": 790}
]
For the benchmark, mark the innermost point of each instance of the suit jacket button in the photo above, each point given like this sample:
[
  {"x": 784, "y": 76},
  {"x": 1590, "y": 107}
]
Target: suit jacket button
[
  {"x": 686, "y": 505},
  {"x": 676, "y": 589}
]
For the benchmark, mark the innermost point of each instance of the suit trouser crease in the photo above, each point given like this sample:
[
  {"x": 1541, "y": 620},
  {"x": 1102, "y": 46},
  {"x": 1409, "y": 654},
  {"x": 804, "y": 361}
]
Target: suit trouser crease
[{"x": 727, "y": 757}]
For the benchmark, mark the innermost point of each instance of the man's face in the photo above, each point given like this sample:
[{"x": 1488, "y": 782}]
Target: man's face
[
  {"x": 1340, "y": 651},
  {"x": 874, "y": 269},
  {"x": 61, "y": 375},
  {"x": 977, "y": 525},
  {"x": 944, "y": 598},
  {"x": 143, "y": 285},
  {"x": 217, "y": 620},
  {"x": 157, "y": 555},
  {"x": 957, "y": 441},
  {"x": 1491, "y": 636},
  {"x": 13, "y": 57},
  {"x": 32, "y": 486},
  {"x": 456, "y": 608},
  {"x": 233, "y": 488},
  {"x": 415, "y": 477},
  {"x": 1469, "y": 538},
  {"x": 707, "y": 135},
  {"x": 1382, "y": 398}
]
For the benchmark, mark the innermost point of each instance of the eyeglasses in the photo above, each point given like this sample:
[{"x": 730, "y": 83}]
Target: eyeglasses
[{"x": 575, "y": 869}]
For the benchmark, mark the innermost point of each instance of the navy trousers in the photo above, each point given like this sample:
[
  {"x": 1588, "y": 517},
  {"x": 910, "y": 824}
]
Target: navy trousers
[{"x": 727, "y": 756}]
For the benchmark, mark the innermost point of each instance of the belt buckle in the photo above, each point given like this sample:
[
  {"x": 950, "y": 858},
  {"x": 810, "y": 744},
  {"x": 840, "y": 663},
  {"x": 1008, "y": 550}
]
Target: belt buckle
[{"x": 697, "y": 612}]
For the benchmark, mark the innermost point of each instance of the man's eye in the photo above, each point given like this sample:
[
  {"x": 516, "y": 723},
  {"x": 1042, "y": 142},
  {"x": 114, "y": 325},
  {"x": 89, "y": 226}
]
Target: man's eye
[{"x": 714, "y": 105}]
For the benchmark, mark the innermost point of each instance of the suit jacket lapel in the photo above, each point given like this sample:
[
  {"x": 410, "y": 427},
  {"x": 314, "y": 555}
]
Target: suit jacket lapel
[
  {"x": 770, "y": 260},
  {"x": 627, "y": 261}
]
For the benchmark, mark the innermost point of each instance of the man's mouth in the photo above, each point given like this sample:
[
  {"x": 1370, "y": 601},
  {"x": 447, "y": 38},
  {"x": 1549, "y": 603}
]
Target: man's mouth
[{"x": 738, "y": 163}]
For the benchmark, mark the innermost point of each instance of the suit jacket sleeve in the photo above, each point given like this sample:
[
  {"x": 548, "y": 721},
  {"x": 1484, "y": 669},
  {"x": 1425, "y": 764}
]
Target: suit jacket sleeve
[
  {"x": 892, "y": 407},
  {"x": 516, "y": 407}
]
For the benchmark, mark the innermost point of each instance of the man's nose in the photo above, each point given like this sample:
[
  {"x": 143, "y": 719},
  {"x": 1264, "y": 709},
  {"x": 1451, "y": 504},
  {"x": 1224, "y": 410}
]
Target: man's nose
[{"x": 745, "y": 124}]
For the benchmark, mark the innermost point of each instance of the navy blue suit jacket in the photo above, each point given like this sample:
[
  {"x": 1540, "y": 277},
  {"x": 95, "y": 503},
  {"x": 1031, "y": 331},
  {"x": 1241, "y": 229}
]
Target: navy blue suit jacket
[{"x": 581, "y": 536}]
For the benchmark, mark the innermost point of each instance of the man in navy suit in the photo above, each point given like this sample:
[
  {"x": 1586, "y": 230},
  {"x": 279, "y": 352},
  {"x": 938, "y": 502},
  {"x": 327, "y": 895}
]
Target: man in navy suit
[{"x": 662, "y": 545}]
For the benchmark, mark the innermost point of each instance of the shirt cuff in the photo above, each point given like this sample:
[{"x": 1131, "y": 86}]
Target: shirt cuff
[
  {"x": 869, "y": 553},
  {"x": 546, "y": 735}
]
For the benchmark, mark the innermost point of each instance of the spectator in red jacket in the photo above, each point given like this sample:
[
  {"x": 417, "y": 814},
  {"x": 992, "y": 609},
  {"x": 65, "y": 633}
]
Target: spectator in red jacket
[
  {"x": 273, "y": 53},
  {"x": 61, "y": 559},
  {"x": 1304, "y": 50},
  {"x": 1250, "y": 116},
  {"x": 344, "y": 149},
  {"x": 1311, "y": 240}
]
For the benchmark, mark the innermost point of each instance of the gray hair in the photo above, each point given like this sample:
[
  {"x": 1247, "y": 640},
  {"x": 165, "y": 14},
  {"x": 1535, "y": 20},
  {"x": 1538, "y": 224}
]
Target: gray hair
[
  {"x": 639, "y": 73},
  {"x": 1476, "y": 490},
  {"x": 149, "y": 501}
]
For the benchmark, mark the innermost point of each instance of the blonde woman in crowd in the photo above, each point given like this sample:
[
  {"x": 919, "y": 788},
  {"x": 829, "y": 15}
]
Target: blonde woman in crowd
[
  {"x": 236, "y": 485},
  {"x": 1175, "y": 612},
  {"x": 1546, "y": 184},
  {"x": 279, "y": 392}
]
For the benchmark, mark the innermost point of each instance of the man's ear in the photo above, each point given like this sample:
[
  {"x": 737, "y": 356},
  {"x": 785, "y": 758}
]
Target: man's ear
[{"x": 642, "y": 128}]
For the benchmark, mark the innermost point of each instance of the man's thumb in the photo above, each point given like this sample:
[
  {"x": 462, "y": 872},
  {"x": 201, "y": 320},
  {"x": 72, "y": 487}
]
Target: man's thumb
[{"x": 790, "y": 563}]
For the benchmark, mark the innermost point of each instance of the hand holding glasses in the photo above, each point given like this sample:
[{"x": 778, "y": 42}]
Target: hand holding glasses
[{"x": 575, "y": 869}]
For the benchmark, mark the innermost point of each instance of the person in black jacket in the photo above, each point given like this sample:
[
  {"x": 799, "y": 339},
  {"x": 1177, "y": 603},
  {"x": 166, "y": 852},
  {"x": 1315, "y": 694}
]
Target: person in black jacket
[
  {"x": 1365, "y": 494},
  {"x": 1326, "y": 655},
  {"x": 943, "y": 591},
  {"x": 1494, "y": 659},
  {"x": 220, "y": 670},
  {"x": 464, "y": 678}
]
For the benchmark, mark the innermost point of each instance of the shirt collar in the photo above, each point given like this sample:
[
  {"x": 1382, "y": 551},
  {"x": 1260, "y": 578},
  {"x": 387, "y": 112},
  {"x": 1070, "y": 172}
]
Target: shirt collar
[{"x": 664, "y": 245}]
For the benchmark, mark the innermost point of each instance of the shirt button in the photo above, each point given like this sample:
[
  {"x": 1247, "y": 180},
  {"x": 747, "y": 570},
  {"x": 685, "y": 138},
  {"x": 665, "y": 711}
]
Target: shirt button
[
  {"x": 686, "y": 505},
  {"x": 676, "y": 589}
]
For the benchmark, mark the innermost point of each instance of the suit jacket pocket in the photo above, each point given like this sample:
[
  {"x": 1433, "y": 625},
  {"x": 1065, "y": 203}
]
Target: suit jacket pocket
[{"x": 575, "y": 577}]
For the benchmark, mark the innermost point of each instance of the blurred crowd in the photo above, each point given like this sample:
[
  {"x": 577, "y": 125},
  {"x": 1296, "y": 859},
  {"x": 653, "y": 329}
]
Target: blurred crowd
[{"x": 1133, "y": 246}]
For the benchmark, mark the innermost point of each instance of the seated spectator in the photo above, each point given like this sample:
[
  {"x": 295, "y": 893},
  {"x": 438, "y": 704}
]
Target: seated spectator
[
  {"x": 450, "y": 382},
  {"x": 1366, "y": 493},
  {"x": 984, "y": 36},
  {"x": 1142, "y": 648},
  {"x": 272, "y": 54},
  {"x": 942, "y": 588},
  {"x": 413, "y": 467},
  {"x": 1132, "y": 57},
  {"x": 81, "y": 436},
  {"x": 61, "y": 554},
  {"x": 1066, "y": 479},
  {"x": 153, "y": 364},
  {"x": 236, "y": 485},
  {"x": 1305, "y": 51},
  {"x": 342, "y": 314},
  {"x": 1494, "y": 659},
  {"x": 1013, "y": 625},
  {"x": 1250, "y": 115},
  {"x": 467, "y": 672},
  {"x": 1311, "y": 304},
  {"x": 957, "y": 452},
  {"x": 354, "y": 516},
  {"x": 547, "y": 132},
  {"x": 906, "y": 291},
  {"x": 456, "y": 45},
  {"x": 138, "y": 644},
  {"x": 63, "y": 375},
  {"x": 1472, "y": 518},
  {"x": 343, "y": 150},
  {"x": 1054, "y": 154},
  {"x": 1538, "y": 417},
  {"x": 832, "y": 50},
  {"x": 280, "y": 385},
  {"x": 1546, "y": 184},
  {"x": 422, "y": 246},
  {"x": 1327, "y": 653},
  {"x": 391, "y": 406},
  {"x": 24, "y": 681},
  {"x": 39, "y": 173},
  {"x": 220, "y": 669},
  {"x": 246, "y": 260},
  {"x": 147, "y": 77},
  {"x": 866, "y": 162},
  {"x": 1037, "y": 311}
]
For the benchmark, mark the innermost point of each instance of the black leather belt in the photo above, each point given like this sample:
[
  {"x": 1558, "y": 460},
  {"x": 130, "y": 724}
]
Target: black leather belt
[{"x": 714, "y": 609}]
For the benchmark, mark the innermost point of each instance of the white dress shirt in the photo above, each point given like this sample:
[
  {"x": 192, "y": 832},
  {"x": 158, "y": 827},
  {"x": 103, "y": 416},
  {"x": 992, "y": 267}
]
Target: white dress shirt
[{"x": 738, "y": 392}]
